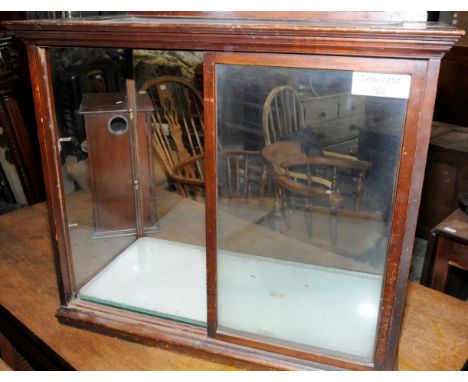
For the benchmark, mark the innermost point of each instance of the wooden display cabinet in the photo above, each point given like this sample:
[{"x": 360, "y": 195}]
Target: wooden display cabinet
[
  {"x": 289, "y": 255},
  {"x": 108, "y": 136}
]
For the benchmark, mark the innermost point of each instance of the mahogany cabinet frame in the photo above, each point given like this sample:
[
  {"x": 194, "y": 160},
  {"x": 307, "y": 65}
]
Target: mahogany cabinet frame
[
  {"x": 413, "y": 51},
  {"x": 398, "y": 252}
]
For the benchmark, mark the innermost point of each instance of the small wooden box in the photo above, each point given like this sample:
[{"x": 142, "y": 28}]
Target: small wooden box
[{"x": 107, "y": 123}]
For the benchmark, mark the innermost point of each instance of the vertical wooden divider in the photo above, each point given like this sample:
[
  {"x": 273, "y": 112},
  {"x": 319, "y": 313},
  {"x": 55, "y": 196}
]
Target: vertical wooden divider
[
  {"x": 41, "y": 81},
  {"x": 134, "y": 152},
  {"x": 210, "y": 191}
]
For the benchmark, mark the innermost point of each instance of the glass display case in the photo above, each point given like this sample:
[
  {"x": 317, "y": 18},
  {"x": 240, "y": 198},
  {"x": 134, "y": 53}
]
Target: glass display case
[{"x": 242, "y": 186}]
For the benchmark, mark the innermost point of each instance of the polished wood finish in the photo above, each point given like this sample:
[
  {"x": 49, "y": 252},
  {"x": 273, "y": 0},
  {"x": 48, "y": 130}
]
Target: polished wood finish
[
  {"x": 447, "y": 246},
  {"x": 327, "y": 43},
  {"x": 296, "y": 15},
  {"x": 408, "y": 182},
  {"x": 41, "y": 79},
  {"x": 98, "y": 103},
  {"x": 211, "y": 199},
  {"x": 111, "y": 162},
  {"x": 433, "y": 335},
  {"x": 244, "y": 35}
]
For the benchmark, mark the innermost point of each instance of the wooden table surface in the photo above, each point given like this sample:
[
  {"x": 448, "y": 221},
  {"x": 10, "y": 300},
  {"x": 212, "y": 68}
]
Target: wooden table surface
[
  {"x": 434, "y": 334},
  {"x": 4, "y": 366},
  {"x": 455, "y": 226}
]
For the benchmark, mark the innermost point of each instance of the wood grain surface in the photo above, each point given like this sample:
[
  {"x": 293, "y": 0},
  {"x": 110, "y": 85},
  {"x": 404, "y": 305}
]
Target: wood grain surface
[
  {"x": 457, "y": 224},
  {"x": 434, "y": 334},
  {"x": 4, "y": 366},
  {"x": 266, "y": 35},
  {"x": 28, "y": 290}
]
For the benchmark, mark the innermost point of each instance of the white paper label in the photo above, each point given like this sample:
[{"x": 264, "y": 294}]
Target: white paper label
[
  {"x": 381, "y": 85},
  {"x": 451, "y": 230}
]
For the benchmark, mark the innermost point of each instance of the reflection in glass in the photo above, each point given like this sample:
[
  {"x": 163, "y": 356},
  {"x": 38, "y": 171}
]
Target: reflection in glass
[
  {"x": 98, "y": 202},
  {"x": 306, "y": 174},
  {"x": 134, "y": 178}
]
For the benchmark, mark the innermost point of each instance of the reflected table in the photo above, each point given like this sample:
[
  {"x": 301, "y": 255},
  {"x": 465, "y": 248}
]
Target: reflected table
[{"x": 334, "y": 218}]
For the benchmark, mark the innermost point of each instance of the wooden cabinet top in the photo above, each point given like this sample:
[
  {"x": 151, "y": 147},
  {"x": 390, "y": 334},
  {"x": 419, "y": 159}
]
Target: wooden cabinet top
[
  {"x": 99, "y": 103},
  {"x": 371, "y": 37}
]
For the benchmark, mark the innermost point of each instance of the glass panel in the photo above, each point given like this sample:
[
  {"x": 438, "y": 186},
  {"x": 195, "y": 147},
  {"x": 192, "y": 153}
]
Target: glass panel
[
  {"x": 120, "y": 176},
  {"x": 306, "y": 168},
  {"x": 89, "y": 89}
]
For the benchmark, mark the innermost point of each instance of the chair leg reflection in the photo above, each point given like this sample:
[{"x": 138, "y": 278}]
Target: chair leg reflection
[{"x": 288, "y": 207}]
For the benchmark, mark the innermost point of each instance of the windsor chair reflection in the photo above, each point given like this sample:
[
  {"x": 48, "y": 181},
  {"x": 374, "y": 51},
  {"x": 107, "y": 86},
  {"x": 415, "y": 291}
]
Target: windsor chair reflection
[
  {"x": 178, "y": 132},
  {"x": 305, "y": 176}
]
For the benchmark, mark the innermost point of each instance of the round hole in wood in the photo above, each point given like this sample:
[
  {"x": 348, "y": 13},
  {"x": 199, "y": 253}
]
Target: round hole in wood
[{"x": 118, "y": 125}]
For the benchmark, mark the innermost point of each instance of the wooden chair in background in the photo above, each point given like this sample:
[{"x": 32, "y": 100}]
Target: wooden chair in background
[
  {"x": 178, "y": 132},
  {"x": 283, "y": 114},
  {"x": 301, "y": 179},
  {"x": 246, "y": 174},
  {"x": 244, "y": 188},
  {"x": 317, "y": 186}
]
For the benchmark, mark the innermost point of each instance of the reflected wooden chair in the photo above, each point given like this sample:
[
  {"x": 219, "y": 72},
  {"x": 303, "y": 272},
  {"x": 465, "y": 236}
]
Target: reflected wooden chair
[
  {"x": 319, "y": 182},
  {"x": 244, "y": 186},
  {"x": 283, "y": 114},
  {"x": 301, "y": 179},
  {"x": 178, "y": 132},
  {"x": 283, "y": 118},
  {"x": 246, "y": 173}
]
